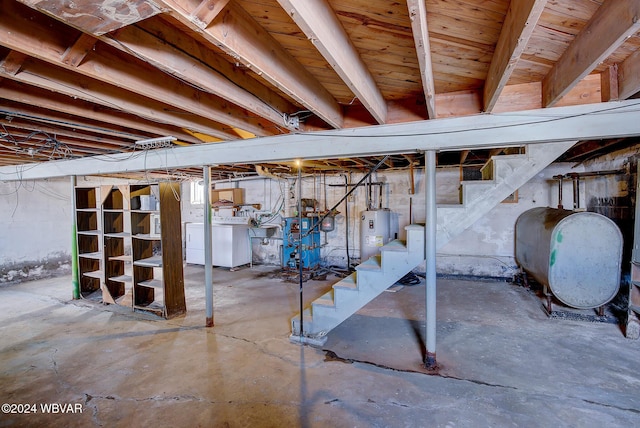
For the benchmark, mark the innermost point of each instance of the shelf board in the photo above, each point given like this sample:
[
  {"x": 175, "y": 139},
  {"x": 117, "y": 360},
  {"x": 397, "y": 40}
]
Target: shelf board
[
  {"x": 95, "y": 255},
  {"x": 114, "y": 210},
  {"x": 124, "y": 258},
  {"x": 635, "y": 308},
  {"x": 87, "y": 210},
  {"x": 89, "y": 232},
  {"x": 117, "y": 234},
  {"x": 153, "y": 283},
  {"x": 158, "y": 309},
  {"x": 120, "y": 278},
  {"x": 146, "y": 211},
  {"x": 94, "y": 274},
  {"x": 146, "y": 237},
  {"x": 155, "y": 261},
  {"x": 636, "y": 283}
]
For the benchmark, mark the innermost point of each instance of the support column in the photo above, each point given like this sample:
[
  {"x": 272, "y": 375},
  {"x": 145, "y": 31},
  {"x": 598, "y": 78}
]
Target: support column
[
  {"x": 430, "y": 242},
  {"x": 75, "y": 281},
  {"x": 208, "y": 264}
]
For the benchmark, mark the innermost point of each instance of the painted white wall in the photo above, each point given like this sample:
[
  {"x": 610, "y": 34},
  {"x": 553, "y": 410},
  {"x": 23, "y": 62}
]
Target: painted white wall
[{"x": 485, "y": 249}]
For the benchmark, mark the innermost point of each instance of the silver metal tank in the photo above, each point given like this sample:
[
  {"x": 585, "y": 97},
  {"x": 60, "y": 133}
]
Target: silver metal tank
[{"x": 576, "y": 254}]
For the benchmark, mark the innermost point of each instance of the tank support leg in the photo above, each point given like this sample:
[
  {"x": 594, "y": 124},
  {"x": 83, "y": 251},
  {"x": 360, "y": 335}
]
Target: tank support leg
[
  {"x": 601, "y": 311},
  {"x": 549, "y": 297}
]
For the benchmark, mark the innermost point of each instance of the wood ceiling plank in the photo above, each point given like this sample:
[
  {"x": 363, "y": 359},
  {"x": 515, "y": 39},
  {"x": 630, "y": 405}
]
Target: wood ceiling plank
[
  {"x": 517, "y": 29},
  {"x": 613, "y": 22},
  {"x": 240, "y": 36},
  {"x": 321, "y": 25},
  {"x": 418, "y": 15}
]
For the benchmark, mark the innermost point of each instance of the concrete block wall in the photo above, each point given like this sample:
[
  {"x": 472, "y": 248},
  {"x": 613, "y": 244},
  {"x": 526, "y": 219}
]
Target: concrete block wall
[
  {"x": 35, "y": 229},
  {"x": 486, "y": 249}
]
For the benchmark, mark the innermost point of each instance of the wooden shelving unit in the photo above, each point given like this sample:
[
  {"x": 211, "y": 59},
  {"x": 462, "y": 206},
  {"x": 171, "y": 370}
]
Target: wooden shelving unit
[
  {"x": 156, "y": 235},
  {"x": 117, "y": 286},
  {"x": 110, "y": 221},
  {"x": 89, "y": 240}
]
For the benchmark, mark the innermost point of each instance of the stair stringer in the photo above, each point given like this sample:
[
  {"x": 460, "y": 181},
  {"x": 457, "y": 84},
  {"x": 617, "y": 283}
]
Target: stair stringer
[
  {"x": 509, "y": 173},
  {"x": 353, "y": 292}
]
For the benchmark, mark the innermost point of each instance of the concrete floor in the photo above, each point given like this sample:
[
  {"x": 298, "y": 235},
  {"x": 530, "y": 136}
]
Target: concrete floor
[{"x": 503, "y": 361}]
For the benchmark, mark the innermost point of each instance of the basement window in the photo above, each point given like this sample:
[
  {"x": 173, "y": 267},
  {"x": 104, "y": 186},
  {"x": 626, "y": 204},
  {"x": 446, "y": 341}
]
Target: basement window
[{"x": 197, "y": 193}]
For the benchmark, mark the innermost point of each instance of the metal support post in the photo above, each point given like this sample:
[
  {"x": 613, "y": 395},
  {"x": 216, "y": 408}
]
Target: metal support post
[
  {"x": 75, "y": 281},
  {"x": 208, "y": 263},
  {"x": 430, "y": 241}
]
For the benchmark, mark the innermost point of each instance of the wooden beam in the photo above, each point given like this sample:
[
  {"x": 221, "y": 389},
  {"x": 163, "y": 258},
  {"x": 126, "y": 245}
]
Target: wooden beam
[
  {"x": 418, "y": 15},
  {"x": 33, "y": 38},
  {"x": 629, "y": 76},
  {"x": 207, "y": 11},
  {"x": 609, "y": 27},
  {"x": 609, "y": 84},
  {"x": 322, "y": 27},
  {"x": 74, "y": 55},
  {"x": 80, "y": 87},
  {"x": 12, "y": 63},
  {"x": 197, "y": 49},
  {"x": 97, "y": 17},
  {"x": 167, "y": 58},
  {"x": 240, "y": 36},
  {"x": 558, "y": 124},
  {"x": 517, "y": 29},
  {"x": 82, "y": 112}
]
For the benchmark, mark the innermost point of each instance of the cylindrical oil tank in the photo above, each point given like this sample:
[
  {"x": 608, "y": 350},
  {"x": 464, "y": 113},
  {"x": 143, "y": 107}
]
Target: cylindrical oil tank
[
  {"x": 576, "y": 254},
  {"x": 375, "y": 226}
]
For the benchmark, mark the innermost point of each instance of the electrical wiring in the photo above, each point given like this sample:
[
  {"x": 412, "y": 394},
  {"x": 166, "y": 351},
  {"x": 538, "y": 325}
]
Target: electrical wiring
[{"x": 47, "y": 142}]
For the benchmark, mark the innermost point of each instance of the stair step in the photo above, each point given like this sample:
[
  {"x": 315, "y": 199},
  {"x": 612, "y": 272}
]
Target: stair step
[
  {"x": 395, "y": 245},
  {"x": 349, "y": 282},
  {"x": 474, "y": 190},
  {"x": 373, "y": 263},
  {"x": 326, "y": 299}
]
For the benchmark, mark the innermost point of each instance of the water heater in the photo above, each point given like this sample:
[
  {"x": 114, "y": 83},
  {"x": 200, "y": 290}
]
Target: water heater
[{"x": 375, "y": 231}]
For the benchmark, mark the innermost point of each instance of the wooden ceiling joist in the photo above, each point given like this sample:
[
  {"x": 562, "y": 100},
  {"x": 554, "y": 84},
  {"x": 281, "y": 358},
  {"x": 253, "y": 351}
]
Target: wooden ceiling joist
[
  {"x": 517, "y": 29},
  {"x": 176, "y": 63},
  {"x": 611, "y": 25},
  {"x": 80, "y": 87},
  {"x": 19, "y": 33},
  {"x": 323, "y": 28},
  {"x": 418, "y": 15},
  {"x": 240, "y": 36},
  {"x": 24, "y": 99}
]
